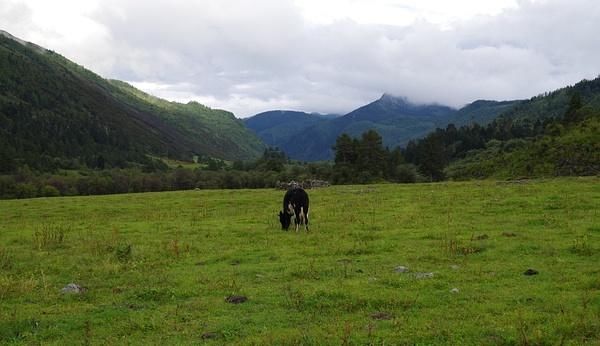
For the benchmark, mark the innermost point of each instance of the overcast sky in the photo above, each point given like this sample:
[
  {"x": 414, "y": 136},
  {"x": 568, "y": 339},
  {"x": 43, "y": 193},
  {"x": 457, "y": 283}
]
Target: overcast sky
[{"x": 327, "y": 56}]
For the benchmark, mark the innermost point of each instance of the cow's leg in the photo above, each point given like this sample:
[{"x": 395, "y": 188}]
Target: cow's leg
[
  {"x": 300, "y": 217},
  {"x": 306, "y": 221},
  {"x": 297, "y": 219},
  {"x": 302, "y": 220}
]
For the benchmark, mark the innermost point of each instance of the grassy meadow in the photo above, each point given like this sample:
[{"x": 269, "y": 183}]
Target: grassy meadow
[{"x": 157, "y": 267}]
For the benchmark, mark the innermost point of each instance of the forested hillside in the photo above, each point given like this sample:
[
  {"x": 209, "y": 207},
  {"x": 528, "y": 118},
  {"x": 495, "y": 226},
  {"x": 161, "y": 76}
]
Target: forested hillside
[
  {"x": 554, "y": 134},
  {"x": 56, "y": 114}
]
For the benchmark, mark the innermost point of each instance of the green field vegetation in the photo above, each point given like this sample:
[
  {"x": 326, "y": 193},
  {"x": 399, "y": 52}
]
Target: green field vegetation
[{"x": 158, "y": 267}]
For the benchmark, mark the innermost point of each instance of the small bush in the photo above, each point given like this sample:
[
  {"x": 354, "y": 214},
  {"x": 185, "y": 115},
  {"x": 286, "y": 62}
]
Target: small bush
[
  {"x": 25, "y": 190},
  {"x": 50, "y": 191},
  {"x": 123, "y": 253},
  {"x": 6, "y": 259},
  {"x": 406, "y": 173}
]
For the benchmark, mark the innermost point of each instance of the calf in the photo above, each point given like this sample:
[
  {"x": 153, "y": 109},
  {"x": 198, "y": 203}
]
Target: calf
[{"x": 295, "y": 203}]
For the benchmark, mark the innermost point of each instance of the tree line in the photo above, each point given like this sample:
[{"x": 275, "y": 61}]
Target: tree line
[{"x": 266, "y": 172}]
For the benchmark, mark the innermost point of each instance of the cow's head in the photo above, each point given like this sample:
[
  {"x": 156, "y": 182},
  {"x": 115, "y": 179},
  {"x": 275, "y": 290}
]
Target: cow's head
[{"x": 286, "y": 219}]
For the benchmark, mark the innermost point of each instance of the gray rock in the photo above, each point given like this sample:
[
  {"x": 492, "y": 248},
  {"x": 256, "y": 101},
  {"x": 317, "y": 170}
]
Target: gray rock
[
  {"x": 72, "y": 289},
  {"x": 235, "y": 299},
  {"x": 401, "y": 269},
  {"x": 423, "y": 275},
  {"x": 454, "y": 290},
  {"x": 210, "y": 335}
]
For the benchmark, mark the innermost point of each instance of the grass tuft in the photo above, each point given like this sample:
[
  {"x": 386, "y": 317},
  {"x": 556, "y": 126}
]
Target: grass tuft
[{"x": 50, "y": 236}]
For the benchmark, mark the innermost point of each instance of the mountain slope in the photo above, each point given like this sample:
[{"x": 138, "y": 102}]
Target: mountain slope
[
  {"x": 216, "y": 133},
  {"x": 276, "y": 127},
  {"x": 566, "y": 150},
  {"x": 395, "y": 119},
  {"x": 482, "y": 112},
  {"x": 556, "y": 103},
  {"x": 54, "y": 113},
  {"x": 309, "y": 138}
]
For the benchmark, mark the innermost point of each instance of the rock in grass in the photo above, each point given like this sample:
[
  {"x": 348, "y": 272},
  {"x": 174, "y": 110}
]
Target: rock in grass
[
  {"x": 401, "y": 269},
  {"x": 381, "y": 315},
  {"x": 530, "y": 272},
  {"x": 72, "y": 289},
  {"x": 454, "y": 290},
  {"x": 210, "y": 335},
  {"x": 236, "y": 299},
  {"x": 423, "y": 275}
]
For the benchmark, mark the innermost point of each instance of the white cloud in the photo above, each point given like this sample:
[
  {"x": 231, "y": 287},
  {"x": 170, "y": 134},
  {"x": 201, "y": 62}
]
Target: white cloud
[
  {"x": 323, "y": 56},
  {"x": 399, "y": 12}
]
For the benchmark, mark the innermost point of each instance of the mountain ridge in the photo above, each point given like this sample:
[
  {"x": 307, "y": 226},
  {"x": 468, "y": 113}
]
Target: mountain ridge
[{"x": 397, "y": 119}]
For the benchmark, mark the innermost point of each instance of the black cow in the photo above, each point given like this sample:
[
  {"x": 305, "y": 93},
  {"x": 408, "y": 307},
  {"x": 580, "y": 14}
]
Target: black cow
[{"x": 295, "y": 203}]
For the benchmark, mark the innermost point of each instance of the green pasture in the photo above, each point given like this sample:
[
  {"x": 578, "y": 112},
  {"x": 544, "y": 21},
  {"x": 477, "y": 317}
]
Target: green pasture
[{"x": 157, "y": 268}]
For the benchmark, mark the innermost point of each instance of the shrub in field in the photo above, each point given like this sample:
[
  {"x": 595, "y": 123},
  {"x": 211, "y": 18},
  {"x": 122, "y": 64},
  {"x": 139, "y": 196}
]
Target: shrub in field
[
  {"x": 6, "y": 259},
  {"x": 582, "y": 246},
  {"x": 123, "y": 252}
]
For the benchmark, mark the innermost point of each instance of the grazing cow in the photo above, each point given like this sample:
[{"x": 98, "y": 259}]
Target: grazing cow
[{"x": 295, "y": 203}]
